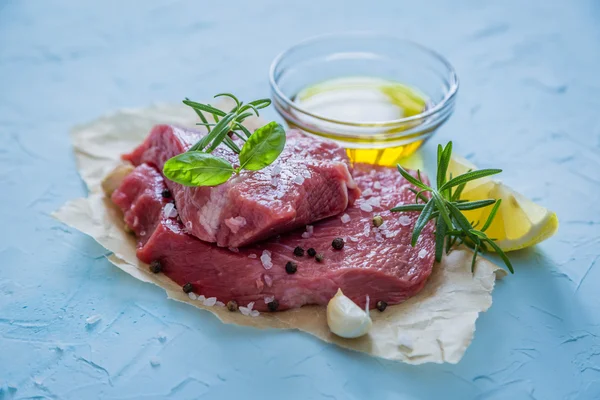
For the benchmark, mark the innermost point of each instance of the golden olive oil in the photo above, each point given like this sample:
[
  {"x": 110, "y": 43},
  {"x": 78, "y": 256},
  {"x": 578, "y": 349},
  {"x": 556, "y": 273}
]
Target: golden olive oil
[{"x": 364, "y": 102}]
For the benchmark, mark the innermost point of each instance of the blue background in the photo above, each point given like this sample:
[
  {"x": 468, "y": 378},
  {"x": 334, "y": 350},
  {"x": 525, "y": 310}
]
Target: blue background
[{"x": 528, "y": 102}]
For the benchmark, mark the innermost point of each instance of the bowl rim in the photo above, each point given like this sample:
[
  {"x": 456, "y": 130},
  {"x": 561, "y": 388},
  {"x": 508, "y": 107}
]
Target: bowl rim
[{"x": 439, "y": 106}]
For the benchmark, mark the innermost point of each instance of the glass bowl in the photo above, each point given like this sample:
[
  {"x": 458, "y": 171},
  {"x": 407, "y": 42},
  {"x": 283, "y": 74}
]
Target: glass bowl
[{"x": 371, "y": 55}]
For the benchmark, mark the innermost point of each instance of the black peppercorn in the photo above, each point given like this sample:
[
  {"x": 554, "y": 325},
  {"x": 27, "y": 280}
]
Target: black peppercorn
[
  {"x": 188, "y": 287},
  {"x": 311, "y": 252},
  {"x": 273, "y": 306},
  {"x": 298, "y": 251},
  {"x": 338, "y": 243},
  {"x": 155, "y": 266},
  {"x": 232, "y": 305},
  {"x": 319, "y": 257},
  {"x": 381, "y": 305},
  {"x": 166, "y": 193},
  {"x": 291, "y": 267}
]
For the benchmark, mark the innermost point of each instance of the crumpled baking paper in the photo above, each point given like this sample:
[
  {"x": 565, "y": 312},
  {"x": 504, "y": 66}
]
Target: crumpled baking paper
[{"x": 437, "y": 325}]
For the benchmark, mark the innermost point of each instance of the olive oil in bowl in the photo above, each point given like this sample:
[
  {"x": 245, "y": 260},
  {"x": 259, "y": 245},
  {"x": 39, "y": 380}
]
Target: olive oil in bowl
[{"x": 366, "y": 106}]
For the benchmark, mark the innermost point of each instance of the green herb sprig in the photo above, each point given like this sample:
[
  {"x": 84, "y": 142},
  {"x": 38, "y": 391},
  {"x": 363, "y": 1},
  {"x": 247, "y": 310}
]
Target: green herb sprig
[
  {"x": 198, "y": 167},
  {"x": 444, "y": 205}
]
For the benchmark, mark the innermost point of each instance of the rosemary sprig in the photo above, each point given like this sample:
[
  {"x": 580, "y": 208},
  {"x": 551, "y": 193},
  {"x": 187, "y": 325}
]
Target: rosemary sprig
[
  {"x": 444, "y": 206},
  {"x": 198, "y": 167}
]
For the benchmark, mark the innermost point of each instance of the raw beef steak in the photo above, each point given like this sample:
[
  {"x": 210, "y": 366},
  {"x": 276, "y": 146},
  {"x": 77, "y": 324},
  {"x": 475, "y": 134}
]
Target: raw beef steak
[
  {"x": 374, "y": 262},
  {"x": 310, "y": 181}
]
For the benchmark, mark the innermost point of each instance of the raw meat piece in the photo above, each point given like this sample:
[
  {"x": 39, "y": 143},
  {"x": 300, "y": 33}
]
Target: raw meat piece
[
  {"x": 309, "y": 181},
  {"x": 378, "y": 262}
]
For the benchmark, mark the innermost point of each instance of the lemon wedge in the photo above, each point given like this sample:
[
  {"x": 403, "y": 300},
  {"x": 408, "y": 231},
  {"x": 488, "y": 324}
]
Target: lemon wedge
[
  {"x": 346, "y": 319},
  {"x": 519, "y": 222}
]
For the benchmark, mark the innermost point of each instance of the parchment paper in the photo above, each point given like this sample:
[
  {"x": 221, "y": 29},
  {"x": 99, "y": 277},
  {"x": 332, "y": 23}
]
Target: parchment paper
[{"x": 437, "y": 325}]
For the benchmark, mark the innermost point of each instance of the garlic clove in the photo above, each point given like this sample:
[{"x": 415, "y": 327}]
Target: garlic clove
[{"x": 345, "y": 318}]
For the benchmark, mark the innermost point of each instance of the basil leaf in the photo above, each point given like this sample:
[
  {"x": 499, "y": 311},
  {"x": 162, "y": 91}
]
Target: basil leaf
[
  {"x": 195, "y": 168},
  {"x": 263, "y": 147}
]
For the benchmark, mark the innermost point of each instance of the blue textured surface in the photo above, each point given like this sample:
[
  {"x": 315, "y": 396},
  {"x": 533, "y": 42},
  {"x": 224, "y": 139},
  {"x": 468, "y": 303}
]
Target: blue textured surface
[{"x": 528, "y": 102}]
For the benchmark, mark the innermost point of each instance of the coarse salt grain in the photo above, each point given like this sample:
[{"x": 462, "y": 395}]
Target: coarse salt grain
[
  {"x": 265, "y": 258},
  {"x": 250, "y": 305},
  {"x": 404, "y": 220},
  {"x": 234, "y": 249},
  {"x": 375, "y": 201},
  {"x": 353, "y": 239},
  {"x": 280, "y": 195},
  {"x": 306, "y": 174},
  {"x": 143, "y": 233},
  {"x": 254, "y": 313},
  {"x": 274, "y": 181},
  {"x": 189, "y": 225},
  {"x": 269, "y": 299},
  {"x": 377, "y": 185},
  {"x": 345, "y": 218},
  {"x": 252, "y": 256},
  {"x": 93, "y": 319},
  {"x": 220, "y": 304},
  {"x": 268, "y": 280},
  {"x": 276, "y": 169},
  {"x": 169, "y": 211},
  {"x": 309, "y": 231},
  {"x": 367, "y": 230},
  {"x": 155, "y": 361},
  {"x": 367, "y": 192},
  {"x": 211, "y": 301},
  {"x": 245, "y": 310},
  {"x": 378, "y": 237},
  {"x": 366, "y": 207},
  {"x": 422, "y": 253},
  {"x": 299, "y": 179},
  {"x": 201, "y": 298},
  {"x": 193, "y": 296}
]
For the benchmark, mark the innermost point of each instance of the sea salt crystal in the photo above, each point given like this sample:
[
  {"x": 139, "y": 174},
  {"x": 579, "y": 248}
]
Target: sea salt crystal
[
  {"x": 373, "y": 172},
  {"x": 188, "y": 225},
  {"x": 234, "y": 249},
  {"x": 353, "y": 239},
  {"x": 93, "y": 319},
  {"x": 155, "y": 361},
  {"x": 220, "y": 304},
  {"x": 274, "y": 181},
  {"x": 309, "y": 231},
  {"x": 404, "y": 220},
  {"x": 280, "y": 195},
  {"x": 252, "y": 256},
  {"x": 345, "y": 218},
  {"x": 254, "y": 313},
  {"x": 299, "y": 179},
  {"x": 367, "y": 192},
  {"x": 306, "y": 174},
  {"x": 375, "y": 201},
  {"x": 143, "y": 233},
  {"x": 250, "y": 305},
  {"x": 377, "y": 185},
  {"x": 367, "y": 230},
  {"x": 265, "y": 258},
  {"x": 201, "y": 298},
  {"x": 378, "y": 237},
  {"x": 169, "y": 211},
  {"x": 422, "y": 253},
  {"x": 268, "y": 280},
  {"x": 211, "y": 301},
  {"x": 269, "y": 299},
  {"x": 366, "y": 207},
  {"x": 276, "y": 169},
  {"x": 245, "y": 310},
  {"x": 193, "y": 296}
]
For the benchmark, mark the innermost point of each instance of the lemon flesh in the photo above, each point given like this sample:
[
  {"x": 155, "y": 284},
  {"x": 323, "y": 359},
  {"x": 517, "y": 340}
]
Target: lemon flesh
[{"x": 519, "y": 222}]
